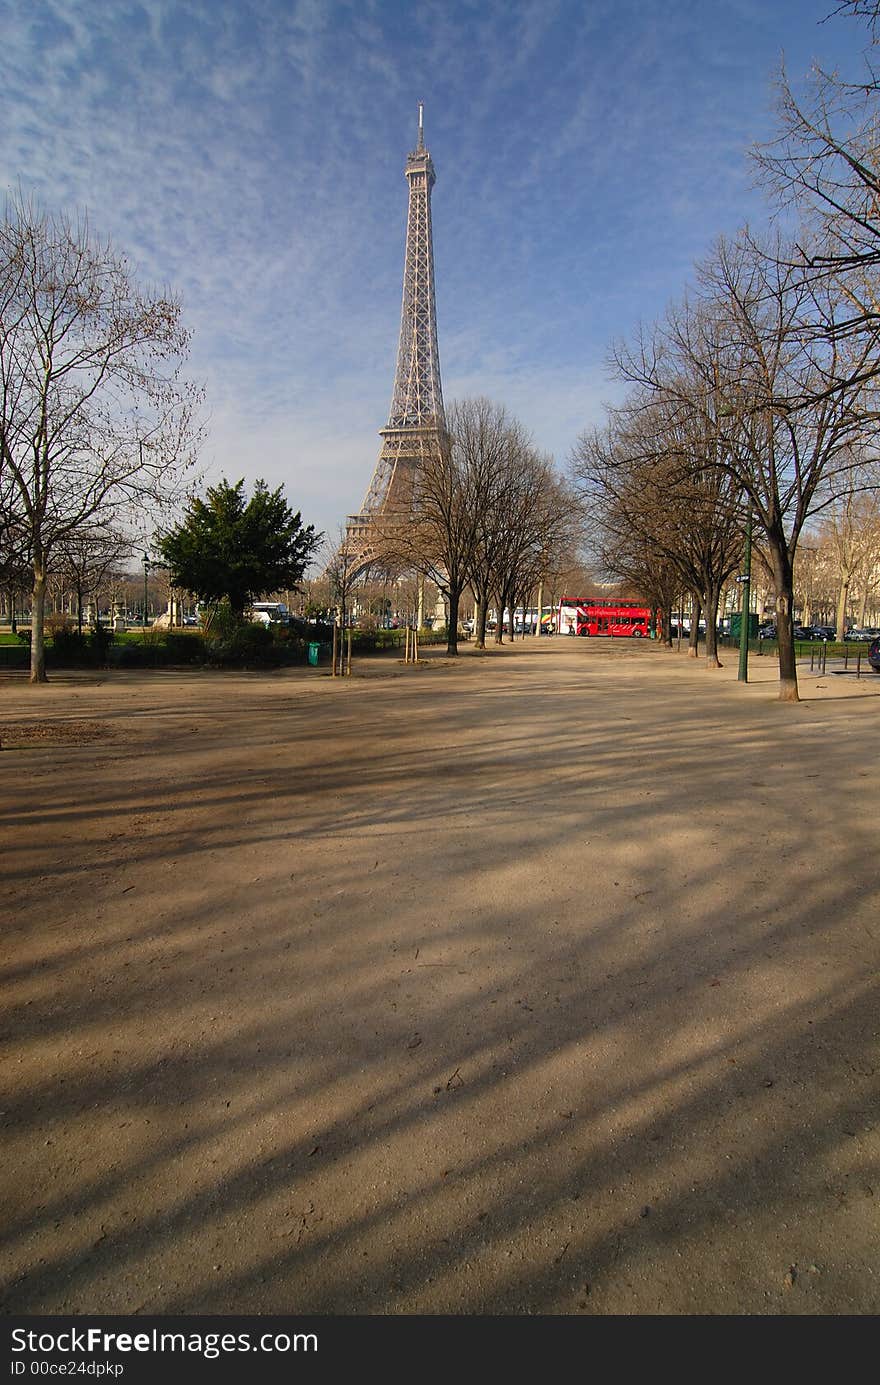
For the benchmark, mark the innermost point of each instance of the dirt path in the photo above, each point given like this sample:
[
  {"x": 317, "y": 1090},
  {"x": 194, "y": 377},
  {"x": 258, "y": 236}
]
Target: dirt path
[{"x": 546, "y": 982}]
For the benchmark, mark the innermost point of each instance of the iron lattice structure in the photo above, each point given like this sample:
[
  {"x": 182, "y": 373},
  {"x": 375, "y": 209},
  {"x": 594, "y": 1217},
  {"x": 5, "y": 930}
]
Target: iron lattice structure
[{"x": 416, "y": 421}]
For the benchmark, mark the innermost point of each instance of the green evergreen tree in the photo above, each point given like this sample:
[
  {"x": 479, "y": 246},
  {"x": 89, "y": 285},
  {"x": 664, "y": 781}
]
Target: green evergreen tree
[{"x": 232, "y": 548}]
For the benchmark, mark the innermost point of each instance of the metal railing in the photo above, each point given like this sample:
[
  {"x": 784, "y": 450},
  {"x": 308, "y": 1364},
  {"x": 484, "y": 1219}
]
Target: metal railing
[{"x": 851, "y": 654}]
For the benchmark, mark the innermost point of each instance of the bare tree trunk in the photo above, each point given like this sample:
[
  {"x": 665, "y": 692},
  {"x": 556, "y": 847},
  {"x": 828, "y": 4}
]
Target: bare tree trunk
[
  {"x": 481, "y": 613},
  {"x": 515, "y": 603},
  {"x": 842, "y": 602},
  {"x": 38, "y": 613},
  {"x": 526, "y": 620},
  {"x": 505, "y": 600},
  {"x": 452, "y": 626},
  {"x": 666, "y": 617},
  {"x": 694, "y": 640},
  {"x": 782, "y": 574},
  {"x": 499, "y": 622},
  {"x": 480, "y": 628},
  {"x": 711, "y": 609}
]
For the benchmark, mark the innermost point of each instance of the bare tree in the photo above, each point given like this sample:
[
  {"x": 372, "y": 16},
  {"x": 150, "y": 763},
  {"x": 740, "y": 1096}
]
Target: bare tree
[
  {"x": 451, "y": 489},
  {"x": 14, "y": 553},
  {"x": 659, "y": 489},
  {"x": 446, "y": 507},
  {"x": 824, "y": 161},
  {"x": 786, "y": 439},
  {"x": 643, "y": 567},
  {"x": 485, "y": 509},
  {"x": 93, "y": 415},
  {"x": 534, "y": 517},
  {"x": 342, "y": 569},
  {"x": 861, "y": 9},
  {"x": 795, "y": 442},
  {"x": 870, "y": 589},
  {"x": 523, "y": 515},
  {"x": 490, "y": 441},
  {"x": 850, "y": 537},
  {"x": 85, "y": 558},
  {"x": 559, "y": 530}
]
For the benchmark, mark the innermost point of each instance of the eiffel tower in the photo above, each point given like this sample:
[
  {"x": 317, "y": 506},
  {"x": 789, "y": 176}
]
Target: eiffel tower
[{"x": 416, "y": 422}]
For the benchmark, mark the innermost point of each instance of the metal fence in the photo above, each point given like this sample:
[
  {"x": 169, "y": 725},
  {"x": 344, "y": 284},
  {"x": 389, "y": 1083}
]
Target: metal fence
[{"x": 852, "y": 657}]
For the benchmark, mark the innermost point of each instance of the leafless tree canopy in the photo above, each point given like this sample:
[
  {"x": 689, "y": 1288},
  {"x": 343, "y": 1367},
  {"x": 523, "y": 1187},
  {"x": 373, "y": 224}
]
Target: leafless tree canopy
[
  {"x": 487, "y": 512},
  {"x": 666, "y": 511},
  {"x": 93, "y": 414},
  {"x": 825, "y": 162},
  {"x": 732, "y": 394},
  {"x": 847, "y": 548},
  {"x": 83, "y": 559}
]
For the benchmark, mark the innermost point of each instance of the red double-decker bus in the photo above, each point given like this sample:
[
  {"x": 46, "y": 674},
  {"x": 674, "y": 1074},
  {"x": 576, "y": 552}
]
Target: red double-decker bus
[{"x": 618, "y": 618}]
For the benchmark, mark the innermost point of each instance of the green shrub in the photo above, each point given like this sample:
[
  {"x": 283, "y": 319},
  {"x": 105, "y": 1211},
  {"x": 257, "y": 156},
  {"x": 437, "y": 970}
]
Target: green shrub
[
  {"x": 244, "y": 646},
  {"x": 290, "y": 647},
  {"x": 133, "y": 656},
  {"x": 168, "y": 649},
  {"x": 183, "y": 649},
  {"x": 367, "y": 641},
  {"x": 98, "y": 644},
  {"x": 219, "y": 622},
  {"x": 70, "y": 647}
]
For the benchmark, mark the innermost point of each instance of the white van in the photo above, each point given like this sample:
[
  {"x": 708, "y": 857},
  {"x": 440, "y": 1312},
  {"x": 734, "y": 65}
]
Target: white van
[{"x": 269, "y": 613}]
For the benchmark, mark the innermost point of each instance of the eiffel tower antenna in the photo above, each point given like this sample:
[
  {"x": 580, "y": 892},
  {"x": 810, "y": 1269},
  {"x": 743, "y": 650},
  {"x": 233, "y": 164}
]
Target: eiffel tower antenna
[{"x": 415, "y": 420}]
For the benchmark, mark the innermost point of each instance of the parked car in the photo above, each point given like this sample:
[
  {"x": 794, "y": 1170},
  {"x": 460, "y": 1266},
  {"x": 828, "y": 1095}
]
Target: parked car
[
  {"x": 823, "y": 632},
  {"x": 874, "y": 654},
  {"x": 803, "y": 632},
  {"x": 767, "y": 632},
  {"x": 863, "y": 635}
]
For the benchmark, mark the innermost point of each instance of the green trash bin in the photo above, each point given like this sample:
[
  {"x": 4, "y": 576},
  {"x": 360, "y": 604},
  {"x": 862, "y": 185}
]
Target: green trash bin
[{"x": 314, "y": 651}]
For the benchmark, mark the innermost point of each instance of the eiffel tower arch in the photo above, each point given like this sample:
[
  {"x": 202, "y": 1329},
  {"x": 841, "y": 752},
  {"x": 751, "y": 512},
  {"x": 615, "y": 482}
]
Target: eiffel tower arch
[{"x": 416, "y": 421}]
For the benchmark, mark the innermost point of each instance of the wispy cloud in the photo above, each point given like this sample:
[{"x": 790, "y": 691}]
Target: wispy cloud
[{"x": 251, "y": 155}]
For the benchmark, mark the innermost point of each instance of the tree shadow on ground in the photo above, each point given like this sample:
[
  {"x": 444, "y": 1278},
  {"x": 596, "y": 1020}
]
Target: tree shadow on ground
[{"x": 390, "y": 1028}]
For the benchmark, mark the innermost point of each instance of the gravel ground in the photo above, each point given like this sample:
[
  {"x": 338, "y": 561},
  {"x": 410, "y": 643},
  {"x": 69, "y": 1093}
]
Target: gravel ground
[{"x": 540, "y": 982}]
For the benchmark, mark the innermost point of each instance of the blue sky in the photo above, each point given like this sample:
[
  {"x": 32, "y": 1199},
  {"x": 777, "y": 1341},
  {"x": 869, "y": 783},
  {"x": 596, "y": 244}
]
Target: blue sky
[{"x": 250, "y": 155}]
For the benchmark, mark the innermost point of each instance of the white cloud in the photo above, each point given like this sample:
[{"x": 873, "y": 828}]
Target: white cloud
[{"x": 251, "y": 156}]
